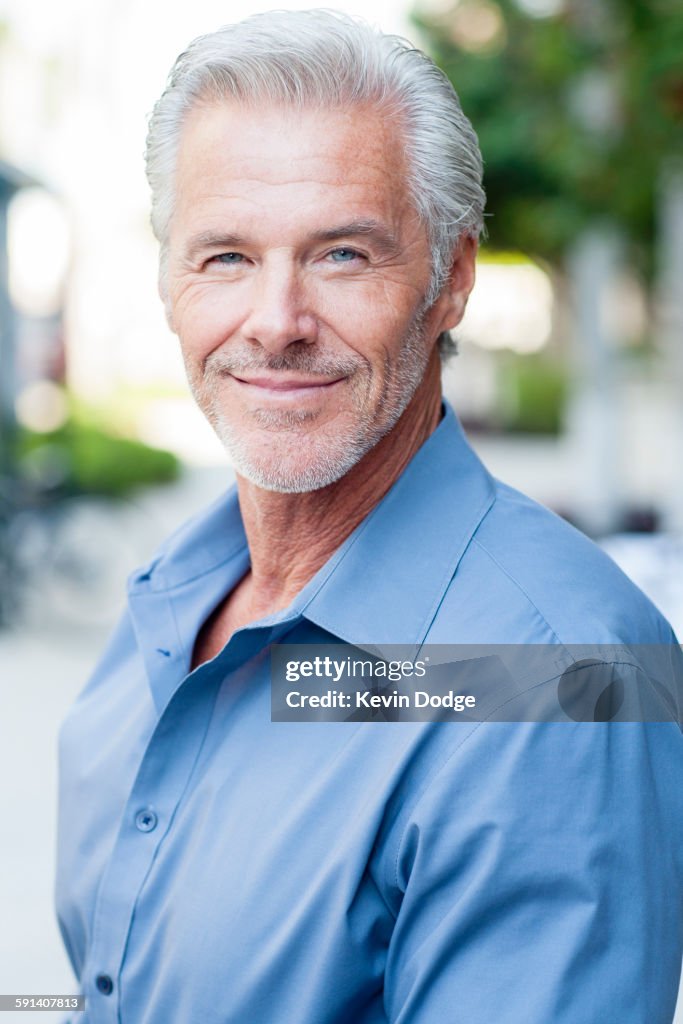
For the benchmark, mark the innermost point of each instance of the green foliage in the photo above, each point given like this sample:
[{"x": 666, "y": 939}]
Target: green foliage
[
  {"x": 533, "y": 392},
  {"x": 82, "y": 457},
  {"x": 576, "y": 114}
]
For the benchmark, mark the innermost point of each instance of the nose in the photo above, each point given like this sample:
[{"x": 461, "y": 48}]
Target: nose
[{"x": 279, "y": 313}]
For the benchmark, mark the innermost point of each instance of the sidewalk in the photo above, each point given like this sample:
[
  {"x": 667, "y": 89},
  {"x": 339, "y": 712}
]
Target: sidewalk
[{"x": 41, "y": 674}]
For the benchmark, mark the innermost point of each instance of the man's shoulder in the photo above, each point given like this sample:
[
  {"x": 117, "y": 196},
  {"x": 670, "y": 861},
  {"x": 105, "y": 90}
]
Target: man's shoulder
[{"x": 528, "y": 576}]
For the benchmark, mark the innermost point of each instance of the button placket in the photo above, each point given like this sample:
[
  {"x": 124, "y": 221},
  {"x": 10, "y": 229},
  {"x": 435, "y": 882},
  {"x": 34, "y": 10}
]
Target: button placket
[{"x": 164, "y": 769}]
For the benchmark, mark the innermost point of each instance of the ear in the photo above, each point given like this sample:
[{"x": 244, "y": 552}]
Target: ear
[{"x": 453, "y": 299}]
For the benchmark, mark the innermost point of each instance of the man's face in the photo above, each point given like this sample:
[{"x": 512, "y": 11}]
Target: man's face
[{"x": 296, "y": 284}]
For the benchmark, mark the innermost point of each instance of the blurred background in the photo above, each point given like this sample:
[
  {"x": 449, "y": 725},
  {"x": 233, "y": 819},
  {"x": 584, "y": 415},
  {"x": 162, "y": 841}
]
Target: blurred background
[{"x": 569, "y": 377}]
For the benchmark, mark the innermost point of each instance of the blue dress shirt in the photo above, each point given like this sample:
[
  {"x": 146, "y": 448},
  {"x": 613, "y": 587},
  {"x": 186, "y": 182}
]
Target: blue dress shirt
[{"x": 216, "y": 867}]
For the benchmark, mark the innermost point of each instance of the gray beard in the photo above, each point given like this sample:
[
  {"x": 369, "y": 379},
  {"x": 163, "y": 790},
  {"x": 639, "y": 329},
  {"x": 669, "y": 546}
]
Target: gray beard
[{"x": 335, "y": 453}]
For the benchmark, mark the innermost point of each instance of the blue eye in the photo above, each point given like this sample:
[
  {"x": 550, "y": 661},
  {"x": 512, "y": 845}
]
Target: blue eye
[
  {"x": 343, "y": 255},
  {"x": 228, "y": 257}
]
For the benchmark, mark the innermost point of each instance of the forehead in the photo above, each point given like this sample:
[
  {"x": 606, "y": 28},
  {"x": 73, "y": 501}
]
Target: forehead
[{"x": 270, "y": 157}]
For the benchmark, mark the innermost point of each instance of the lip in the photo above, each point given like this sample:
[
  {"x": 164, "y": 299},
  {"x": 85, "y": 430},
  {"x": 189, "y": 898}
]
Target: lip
[{"x": 286, "y": 385}]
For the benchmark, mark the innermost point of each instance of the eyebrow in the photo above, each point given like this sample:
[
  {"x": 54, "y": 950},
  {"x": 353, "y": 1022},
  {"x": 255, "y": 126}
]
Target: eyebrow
[
  {"x": 212, "y": 240},
  {"x": 386, "y": 242}
]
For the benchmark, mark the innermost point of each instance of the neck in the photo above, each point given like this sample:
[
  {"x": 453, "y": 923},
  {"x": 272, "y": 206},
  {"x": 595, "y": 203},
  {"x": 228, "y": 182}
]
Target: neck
[{"x": 291, "y": 536}]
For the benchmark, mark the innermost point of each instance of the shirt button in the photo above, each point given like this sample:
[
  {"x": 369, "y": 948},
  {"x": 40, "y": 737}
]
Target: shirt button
[
  {"x": 104, "y": 984},
  {"x": 146, "y": 820}
]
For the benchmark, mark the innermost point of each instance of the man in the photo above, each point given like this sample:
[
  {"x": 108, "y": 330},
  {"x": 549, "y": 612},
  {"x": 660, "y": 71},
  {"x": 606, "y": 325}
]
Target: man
[{"x": 317, "y": 197}]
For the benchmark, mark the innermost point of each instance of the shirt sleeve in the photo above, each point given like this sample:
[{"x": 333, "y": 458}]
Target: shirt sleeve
[{"x": 539, "y": 879}]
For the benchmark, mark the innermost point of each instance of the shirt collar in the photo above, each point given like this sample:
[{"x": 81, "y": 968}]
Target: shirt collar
[{"x": 390, "y": 576}]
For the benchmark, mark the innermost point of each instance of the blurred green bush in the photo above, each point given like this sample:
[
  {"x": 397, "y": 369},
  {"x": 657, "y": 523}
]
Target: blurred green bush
[
  {"x": 84, "y": 457},
  {"x": 533, "y": 391}
]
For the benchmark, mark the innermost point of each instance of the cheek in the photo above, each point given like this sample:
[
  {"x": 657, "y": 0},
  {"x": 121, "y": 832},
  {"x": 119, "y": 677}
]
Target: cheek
[
  {"x": 205, "y": 318},
  {"x": 367, "y": 320}
]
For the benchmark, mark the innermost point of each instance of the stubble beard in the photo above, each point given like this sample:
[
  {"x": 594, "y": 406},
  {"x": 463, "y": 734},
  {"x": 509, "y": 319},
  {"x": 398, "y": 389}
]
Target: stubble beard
[{"x": 295, "y": 456}]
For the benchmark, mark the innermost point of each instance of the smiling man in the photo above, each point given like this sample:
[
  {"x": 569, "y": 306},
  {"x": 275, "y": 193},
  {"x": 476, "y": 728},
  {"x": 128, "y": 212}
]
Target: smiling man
[
  {"x": 317, "y": 197},
  {"x": 320, "y": 287}
]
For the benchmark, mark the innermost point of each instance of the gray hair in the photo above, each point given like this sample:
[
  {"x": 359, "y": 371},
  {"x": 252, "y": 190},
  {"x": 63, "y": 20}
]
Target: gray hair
[{"x": 328, "y": 59}]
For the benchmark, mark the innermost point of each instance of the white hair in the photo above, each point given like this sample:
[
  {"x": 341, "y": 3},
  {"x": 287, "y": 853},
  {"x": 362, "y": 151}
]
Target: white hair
[{"x": 324, "y": 58}]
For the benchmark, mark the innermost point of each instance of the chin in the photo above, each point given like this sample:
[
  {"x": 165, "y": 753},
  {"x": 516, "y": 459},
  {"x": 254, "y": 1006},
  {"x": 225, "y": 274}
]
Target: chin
[
  {"x": 296, "y": 472},
  {"x": 294, "y": 465},
  {"x": 278, "y": 481}
]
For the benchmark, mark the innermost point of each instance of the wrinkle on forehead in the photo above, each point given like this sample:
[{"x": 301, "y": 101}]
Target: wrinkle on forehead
[{"x": 281, "y": 146}]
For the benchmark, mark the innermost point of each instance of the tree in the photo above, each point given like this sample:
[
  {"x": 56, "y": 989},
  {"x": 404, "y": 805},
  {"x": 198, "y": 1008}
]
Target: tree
[{"x": 577, "y": 111}]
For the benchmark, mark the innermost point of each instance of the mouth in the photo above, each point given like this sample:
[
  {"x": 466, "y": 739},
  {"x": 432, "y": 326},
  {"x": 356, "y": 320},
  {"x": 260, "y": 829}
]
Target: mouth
[{"x": 279, "y": 386}]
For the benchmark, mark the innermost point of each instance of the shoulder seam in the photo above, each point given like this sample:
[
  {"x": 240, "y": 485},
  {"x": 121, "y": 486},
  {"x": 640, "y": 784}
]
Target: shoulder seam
[
  {"x": 482, "y": 513},
  {"x": 519, "y": 586}
]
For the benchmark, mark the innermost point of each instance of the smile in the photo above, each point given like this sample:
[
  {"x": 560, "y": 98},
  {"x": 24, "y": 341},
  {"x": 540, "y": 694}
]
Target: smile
[{"x": 283, "y": 388}]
